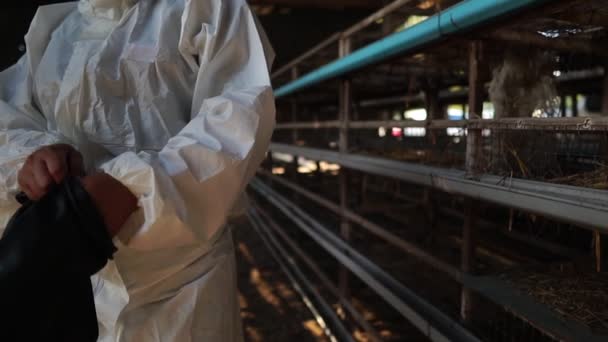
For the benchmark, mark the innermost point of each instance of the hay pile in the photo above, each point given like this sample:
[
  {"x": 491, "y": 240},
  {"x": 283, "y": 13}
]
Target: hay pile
[
  {"x": 580, "y": 297},
  {"x": 596, "y": 179}
]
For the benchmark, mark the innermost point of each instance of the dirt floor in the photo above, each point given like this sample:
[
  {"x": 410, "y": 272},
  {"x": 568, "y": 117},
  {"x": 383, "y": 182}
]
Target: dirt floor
[{"x": 270, "y": 308}]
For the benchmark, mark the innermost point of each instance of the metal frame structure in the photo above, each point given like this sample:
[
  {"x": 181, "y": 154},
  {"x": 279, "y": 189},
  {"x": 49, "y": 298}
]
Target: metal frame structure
[
  {"x": 494, "y": 289},
  {"x": 580, "y": 206},
  {"x": 321, "y": 310},
  {"x": 456, "y": 19},
  {"x": 429, "y": 320},
  {"x": 577, "y": 124}
]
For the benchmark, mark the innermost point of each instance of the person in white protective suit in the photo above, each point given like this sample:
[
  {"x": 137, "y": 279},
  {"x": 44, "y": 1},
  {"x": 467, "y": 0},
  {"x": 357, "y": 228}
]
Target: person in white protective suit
[{"x": 170, "y": 99}]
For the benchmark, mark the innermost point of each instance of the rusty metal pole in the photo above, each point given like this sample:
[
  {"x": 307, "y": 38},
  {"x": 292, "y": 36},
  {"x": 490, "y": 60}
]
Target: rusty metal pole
[
  {"x": 605, "y": 92},
  {"x": 434, "y": 111},
  {"x": 477, "y": 77},
  {"x": 344, "y": 117},
  {"x": 597, "y": 241},
  {"x": 294, "y": 117},
  {"x": 575, "y": 105}
]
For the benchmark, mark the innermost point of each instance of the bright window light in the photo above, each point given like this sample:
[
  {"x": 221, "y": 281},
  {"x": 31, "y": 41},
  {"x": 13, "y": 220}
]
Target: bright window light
[{"x": 382, "y": 132}]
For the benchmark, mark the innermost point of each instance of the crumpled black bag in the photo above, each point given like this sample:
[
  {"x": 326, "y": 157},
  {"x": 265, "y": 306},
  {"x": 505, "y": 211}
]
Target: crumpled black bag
[{"x": 48, "y": 252}]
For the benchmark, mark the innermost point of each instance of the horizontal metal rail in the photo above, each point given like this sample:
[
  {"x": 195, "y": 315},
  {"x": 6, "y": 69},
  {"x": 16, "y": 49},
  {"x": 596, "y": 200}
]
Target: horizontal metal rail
[
  {"x": 309, "y": 125},
  {"x": 556, "y": 124},
  {"x": 429, "y": 320},
  {"x": 327, "y": 283},
  {"x": 496, "y": 290},
  {"x": 375, "y": 229},
  {"x": 370, "y": 20},
  {"x": 381, "y": 13},
  {"x": 333, "y": 39},
  {"x": 456, "y": 19},
  {"x": 580, "y": 206},
  {"x": 578, "y": 124},
  {"x": 321, "y": 311}
]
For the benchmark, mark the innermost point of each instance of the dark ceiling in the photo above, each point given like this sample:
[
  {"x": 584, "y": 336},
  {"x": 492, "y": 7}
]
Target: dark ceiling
[
  {"x": 293, "y": 31},
  {"x": 293, "y": 26}
]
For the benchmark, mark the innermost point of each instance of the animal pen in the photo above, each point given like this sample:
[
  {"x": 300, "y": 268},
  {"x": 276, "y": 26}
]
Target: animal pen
[{"x": 439, "y": 172}]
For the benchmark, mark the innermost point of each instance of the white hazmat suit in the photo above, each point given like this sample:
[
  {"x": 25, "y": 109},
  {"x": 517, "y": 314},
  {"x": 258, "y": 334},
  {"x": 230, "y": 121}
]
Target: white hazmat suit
[{"x": 173, "y": 99}]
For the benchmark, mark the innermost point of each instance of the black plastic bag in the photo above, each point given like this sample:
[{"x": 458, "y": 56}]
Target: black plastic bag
[{"x": 48, "y": 252}]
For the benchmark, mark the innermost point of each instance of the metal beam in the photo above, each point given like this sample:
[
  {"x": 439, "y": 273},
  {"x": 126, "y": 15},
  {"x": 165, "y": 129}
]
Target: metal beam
[
  {"x": 562, "y": 124},
  {"x": 429, "y": 320},
  {"x": 580, "y": 206},
  {"x": 381, "y": 13},
  {"x": 302, "y": 285},
  {"x": 456, "y": 19},
  {"x": 373, "y": 228},
  {"x": 373, "y": 335},
  {"x": 496, "y": 290}
]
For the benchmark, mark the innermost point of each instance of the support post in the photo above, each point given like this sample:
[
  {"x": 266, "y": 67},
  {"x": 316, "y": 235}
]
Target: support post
[
  {"x": 468, "y": 257},
  {"x": 295, "y": 73},
  {"x": 294, "y": 117},
  {"x": 478, "y": 73},
  {"x": 344, "y": 117},
  {"x": 574, "y": 105},
  {"x": 597, "y": 239},
  {"x": 434, "y": 111},
  {"x": 605, "y": 92}
]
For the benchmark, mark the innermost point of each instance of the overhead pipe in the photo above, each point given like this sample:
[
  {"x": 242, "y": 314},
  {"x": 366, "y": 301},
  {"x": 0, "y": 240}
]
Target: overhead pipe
[{"x": 456, "y": 19}]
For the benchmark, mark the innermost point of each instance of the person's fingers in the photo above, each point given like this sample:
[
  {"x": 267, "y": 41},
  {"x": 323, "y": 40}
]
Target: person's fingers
[
  {"x": 24, "y": 178},
  {"x": 47, "y": 166},
  {"x": 42, "y": 179},
  {"x": 55, "y": 161}
]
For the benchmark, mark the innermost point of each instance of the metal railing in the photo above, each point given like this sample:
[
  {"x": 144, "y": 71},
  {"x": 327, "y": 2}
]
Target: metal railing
[
  {"x": 429, "y": 320},
  {"x": 496, "y": 290},
  {"x": 456, "y": 19},
  {"x": 580, "y": 206}
]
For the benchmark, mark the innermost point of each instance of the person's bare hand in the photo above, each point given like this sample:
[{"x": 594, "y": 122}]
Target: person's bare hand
[
  {"x": 48, "y": 166},
  {"x": 114, "y": 201}
]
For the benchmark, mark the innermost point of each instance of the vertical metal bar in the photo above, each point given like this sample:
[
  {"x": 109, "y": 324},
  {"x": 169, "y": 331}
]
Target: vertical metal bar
[
  {"x": 574, "y": 105},
  {"x": 477, "y": 76},
  {"x": 345, "y": 108},
  {"x": 597, "y": 237},
  {"x": 294, "y": 103},
  {"x": 468, "y": 257},
  {"x": 433, "y": 106},
  {"x": 434, "y": 112},
  {"x": 605, "y": 92},
  {"x": 369, "y": 329},
  {"x": 476, "y": 95},
  {"x": 294, "y": 117}
]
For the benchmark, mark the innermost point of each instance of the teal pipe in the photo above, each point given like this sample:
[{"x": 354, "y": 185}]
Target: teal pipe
[{"x": 458, "y": 18}]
